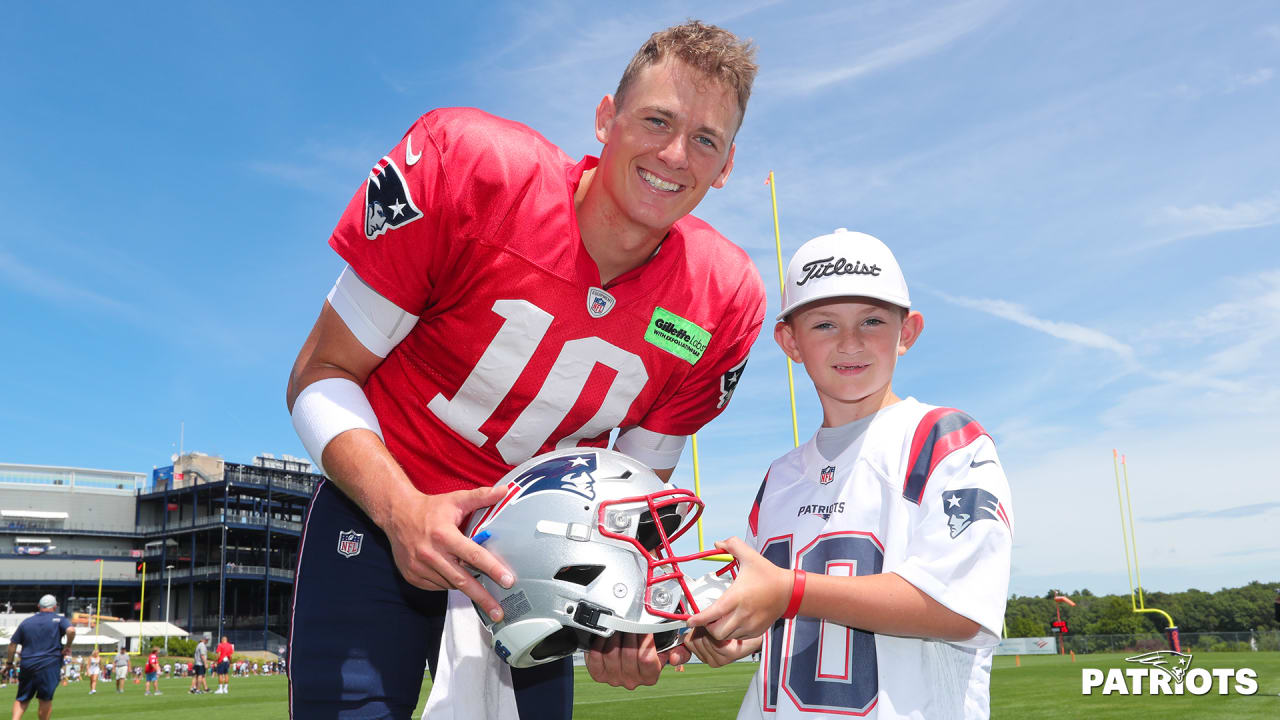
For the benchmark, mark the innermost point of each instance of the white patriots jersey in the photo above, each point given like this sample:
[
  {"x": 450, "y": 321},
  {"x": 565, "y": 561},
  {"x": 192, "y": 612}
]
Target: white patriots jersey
[{"x": 921, "y": 493}]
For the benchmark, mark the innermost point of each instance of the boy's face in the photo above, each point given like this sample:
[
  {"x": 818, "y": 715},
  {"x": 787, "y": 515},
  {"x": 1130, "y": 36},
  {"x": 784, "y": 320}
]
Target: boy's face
[
  {"x": 669, "y": 144},
  {"x": 849, "y": 346}
]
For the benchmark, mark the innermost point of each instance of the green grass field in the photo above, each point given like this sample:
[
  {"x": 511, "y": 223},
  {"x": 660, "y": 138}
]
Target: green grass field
[{"x": 1044, "y": 687}]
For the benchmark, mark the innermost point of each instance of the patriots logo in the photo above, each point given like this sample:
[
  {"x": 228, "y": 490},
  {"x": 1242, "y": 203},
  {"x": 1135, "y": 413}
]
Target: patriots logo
[
  {"x": 729, "y": 382},
  {"x": 967, "y": 506},
  {"x": 1175, "y": 663},
  {"x": 566, "y": 474},
  {"x": 387, "y": 203}
]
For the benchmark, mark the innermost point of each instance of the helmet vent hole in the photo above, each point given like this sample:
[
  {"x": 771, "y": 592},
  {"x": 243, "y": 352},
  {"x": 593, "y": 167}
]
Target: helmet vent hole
[
  {"x": 579, "y": 574},
  {"x": 558, "y": 644}
]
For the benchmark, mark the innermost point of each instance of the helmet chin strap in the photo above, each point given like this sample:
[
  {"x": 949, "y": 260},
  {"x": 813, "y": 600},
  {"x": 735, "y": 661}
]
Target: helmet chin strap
[{"x": 613, "y": 622}]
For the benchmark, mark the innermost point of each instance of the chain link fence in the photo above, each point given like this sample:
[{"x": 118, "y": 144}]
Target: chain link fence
[{"x": 1265, "y": 640}]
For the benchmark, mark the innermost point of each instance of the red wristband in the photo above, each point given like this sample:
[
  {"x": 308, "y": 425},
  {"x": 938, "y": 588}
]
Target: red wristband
[{"x": 797, "y": 594}]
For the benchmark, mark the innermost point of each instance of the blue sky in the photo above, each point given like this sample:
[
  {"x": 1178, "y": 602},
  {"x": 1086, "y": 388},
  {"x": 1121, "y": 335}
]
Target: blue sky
[{"x": 1084, "y": 199}]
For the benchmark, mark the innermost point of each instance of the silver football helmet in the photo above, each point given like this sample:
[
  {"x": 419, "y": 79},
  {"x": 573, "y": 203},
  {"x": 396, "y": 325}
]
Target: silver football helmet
[{"x": 587, "y": 533}]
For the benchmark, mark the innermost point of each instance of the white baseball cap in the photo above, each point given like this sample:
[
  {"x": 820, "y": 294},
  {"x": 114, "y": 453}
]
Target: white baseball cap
[
  {"x": 843, "y": 264},
  {"x": 48, "y": 601}
]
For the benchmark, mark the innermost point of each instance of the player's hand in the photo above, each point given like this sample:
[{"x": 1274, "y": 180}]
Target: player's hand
[
  {"x": 629, "y": 660},
  {"x": 430, "y": 551},
  {"x": 757, "y": 597},
  {"x": 718, "y": 653}
]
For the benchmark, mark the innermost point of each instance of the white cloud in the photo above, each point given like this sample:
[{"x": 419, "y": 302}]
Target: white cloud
[
  {"x": 1244, "y": 81},
  {"x": 1070, "y": 332},
  {"x": 1211, "y": 219},
  {"x": 930, "y": 35},
  {"x": 37, "y": 282}
]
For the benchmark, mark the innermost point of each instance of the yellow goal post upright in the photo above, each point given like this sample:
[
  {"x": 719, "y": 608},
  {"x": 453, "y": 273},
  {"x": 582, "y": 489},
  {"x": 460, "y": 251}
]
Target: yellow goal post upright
[
  {"x": 1138, "y": 602},
  {"x": 791, "y": 382}
]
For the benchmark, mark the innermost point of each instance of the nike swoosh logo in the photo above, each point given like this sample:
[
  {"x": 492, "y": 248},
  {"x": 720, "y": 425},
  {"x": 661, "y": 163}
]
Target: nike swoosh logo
[
  {"x": 977, "y": 464},
  {"x": 409, "y": 157}
]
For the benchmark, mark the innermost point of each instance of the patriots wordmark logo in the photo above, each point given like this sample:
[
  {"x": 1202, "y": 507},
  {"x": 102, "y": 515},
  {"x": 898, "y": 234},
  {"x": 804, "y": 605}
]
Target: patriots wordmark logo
[
  {"x": 1175, "y": 663},
  {"x": 967, "y": 506},
  {"x": 387, "y": 203},
  {"x": 599, "y": 303},
  {"x": 729, "y": 382},
  {"x": 828, "y": 474},
  {"x": 571, "y": 473},
  {"x": 349, "y": 542},
  {"x": 823, "y": 511},
  {"x": 1163, "y": 666}
]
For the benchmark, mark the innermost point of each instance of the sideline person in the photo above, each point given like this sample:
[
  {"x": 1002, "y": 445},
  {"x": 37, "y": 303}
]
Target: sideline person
[
  {"x": 224, "y": 652},
  {"x": 199, "y": 685},
  {"x": 95, "y": 670},
  {"x": 43, "y": 655}
]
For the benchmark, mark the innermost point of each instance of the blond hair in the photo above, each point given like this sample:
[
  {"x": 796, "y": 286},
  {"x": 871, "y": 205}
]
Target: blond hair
[{"x": 713, "y": 51}]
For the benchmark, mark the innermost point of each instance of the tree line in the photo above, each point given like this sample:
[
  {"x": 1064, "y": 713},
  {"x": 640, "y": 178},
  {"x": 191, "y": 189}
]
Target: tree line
[{"x": 1252, "y": 607}]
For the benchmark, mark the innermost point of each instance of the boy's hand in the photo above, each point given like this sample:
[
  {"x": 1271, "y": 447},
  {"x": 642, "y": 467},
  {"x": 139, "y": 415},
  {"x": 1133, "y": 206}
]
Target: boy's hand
[
  {"x": 629, "y": 660},
  {"x": 717, "y": 653},
  {"x": 756, "y": 598}
]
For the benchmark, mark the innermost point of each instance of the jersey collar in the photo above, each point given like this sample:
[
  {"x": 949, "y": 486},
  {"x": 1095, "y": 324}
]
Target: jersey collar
[{"x": 637, "y": 282}]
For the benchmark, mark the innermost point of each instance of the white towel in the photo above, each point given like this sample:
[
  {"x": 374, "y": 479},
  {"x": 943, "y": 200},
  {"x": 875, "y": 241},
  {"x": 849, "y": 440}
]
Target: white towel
[{"x": 471, "y": 682}]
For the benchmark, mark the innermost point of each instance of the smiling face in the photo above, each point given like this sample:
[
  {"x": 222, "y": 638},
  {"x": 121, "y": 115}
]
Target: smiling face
[
  {"x": 849, "y": 348},
  {"x": 668, "y": 144}
]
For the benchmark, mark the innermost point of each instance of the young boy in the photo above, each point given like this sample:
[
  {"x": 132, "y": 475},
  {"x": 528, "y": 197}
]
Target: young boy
[{"x": 876, "y": 578}]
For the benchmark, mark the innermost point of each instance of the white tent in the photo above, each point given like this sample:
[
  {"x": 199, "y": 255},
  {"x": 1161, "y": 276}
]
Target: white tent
[{"x": 127, "y": 632}]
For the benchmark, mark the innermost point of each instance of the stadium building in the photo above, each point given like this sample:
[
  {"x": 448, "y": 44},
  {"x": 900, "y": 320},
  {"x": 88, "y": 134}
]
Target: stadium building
[{"x": 209, "y": 545}]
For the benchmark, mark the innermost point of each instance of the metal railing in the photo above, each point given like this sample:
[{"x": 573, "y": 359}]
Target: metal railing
[
  {"x": 233, "y": 570},
  {"x": 250, "y": 476},
  {"x": 230, "y": 518},
  {"x": 61, "y": 553},
  {"x": 79, "y": 576},
  {"x": 240, "y": 622},
  {"x": 63, "y": 527}
]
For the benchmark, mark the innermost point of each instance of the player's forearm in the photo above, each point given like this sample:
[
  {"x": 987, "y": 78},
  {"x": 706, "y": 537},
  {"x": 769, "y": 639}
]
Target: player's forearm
[
  {"x": 361, "y": 466},
  {"x": 885, "y": 604}
]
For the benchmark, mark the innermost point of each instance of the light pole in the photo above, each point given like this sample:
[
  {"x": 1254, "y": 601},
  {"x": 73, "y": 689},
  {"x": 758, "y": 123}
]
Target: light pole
[{"x": 168, "y": 597}]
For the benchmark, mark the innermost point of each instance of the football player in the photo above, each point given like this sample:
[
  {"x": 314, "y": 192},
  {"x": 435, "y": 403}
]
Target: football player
[
  {"x": 502, "y": 300},
  {"x": 876, "y": 578}
]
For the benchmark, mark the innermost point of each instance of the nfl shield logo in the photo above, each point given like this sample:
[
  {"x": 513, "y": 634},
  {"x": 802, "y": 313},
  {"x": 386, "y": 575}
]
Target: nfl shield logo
[
  {"x": 349, "y": 543},
  {"x": 599, "y": 303},
  {"x": 828, "y": 474}
]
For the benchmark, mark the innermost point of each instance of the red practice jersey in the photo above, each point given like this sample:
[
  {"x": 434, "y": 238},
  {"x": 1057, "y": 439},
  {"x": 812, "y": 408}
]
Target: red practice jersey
[{"x": 519, "y": 349}]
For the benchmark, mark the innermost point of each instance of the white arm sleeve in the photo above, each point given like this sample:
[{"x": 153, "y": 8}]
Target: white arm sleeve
[
  {"x": 656, "y": 450},
  {"x": 327, "y": 408},
  {"x": 377, "y": 323}
]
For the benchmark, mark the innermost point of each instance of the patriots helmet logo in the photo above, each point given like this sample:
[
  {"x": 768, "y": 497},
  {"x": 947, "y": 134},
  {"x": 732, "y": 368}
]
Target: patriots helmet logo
[
  {"x": 967, "y": 506},
  {"x": 387, "y": 203},
  {"x": 571, "y": 474}
]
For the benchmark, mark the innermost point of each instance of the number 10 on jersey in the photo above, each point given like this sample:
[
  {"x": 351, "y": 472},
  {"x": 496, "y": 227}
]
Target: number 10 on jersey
[{"x": 823, "y": 666}]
